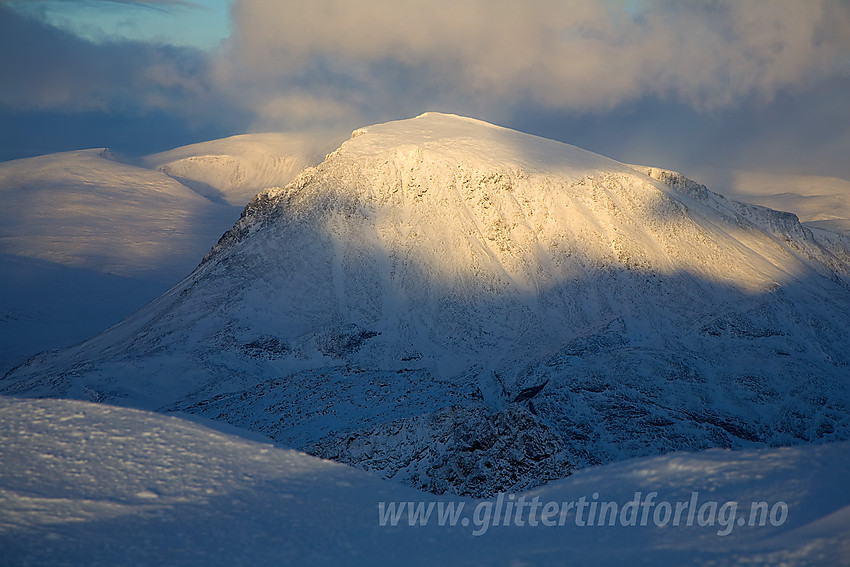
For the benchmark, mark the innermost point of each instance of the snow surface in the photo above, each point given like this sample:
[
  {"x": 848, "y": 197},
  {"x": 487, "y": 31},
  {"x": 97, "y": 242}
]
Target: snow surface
[
  {"x": 85, "y": 210},
  {"x": 440, "y": 285},
  {"x": 234, "y": 169},
  {"x": 85, "y": 240},
  {"x": 92, "y": 484}
]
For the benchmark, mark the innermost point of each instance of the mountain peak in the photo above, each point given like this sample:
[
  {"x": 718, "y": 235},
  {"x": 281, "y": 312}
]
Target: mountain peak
[
  {"x": 440, "y": 291},
  {"x": 475, "y": 142},
  {"x": 464, "y": 199}
]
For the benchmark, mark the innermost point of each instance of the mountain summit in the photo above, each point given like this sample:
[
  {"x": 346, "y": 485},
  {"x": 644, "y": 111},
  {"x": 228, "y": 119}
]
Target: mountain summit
[{"x": 466, "y": 308}]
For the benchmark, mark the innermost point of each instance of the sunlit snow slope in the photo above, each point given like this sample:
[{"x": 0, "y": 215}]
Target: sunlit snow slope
[
  {"x": 465, "y": 308},
  {"x": 91, "y": 484},
  {"x": 234, "y": 169}
]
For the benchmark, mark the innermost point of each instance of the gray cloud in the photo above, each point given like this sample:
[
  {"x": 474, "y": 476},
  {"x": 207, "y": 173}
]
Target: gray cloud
[
  {"x": 800, "y": 133},
  {"x": 299, "y": 62},
  {"x": 156, "y": 4},
  {"x": 45, "y": 68},
  {"x": 580, "y": 55},
  {"x": 152, "y": 4}
]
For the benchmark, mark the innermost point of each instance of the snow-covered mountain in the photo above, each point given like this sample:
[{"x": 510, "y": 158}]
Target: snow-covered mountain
[
  {"x": 86, "y": 210},
  {"x": 85, "y": 239},
  {"x": 234, "y": 169},
  {"x": 92, "y": 484},
  {"x": 467, "y": 309},
  {"x": 819, "y": 201}
]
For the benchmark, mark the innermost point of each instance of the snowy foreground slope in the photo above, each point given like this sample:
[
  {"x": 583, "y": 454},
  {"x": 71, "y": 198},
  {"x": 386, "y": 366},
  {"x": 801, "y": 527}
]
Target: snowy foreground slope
[
  {"x": 467, "y": 309},
  {"x": 85, "y": 240},
  {"x": 92, "y": 484}
]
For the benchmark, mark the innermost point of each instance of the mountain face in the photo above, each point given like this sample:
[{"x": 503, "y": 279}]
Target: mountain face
[{"x": 468, "y": 309}]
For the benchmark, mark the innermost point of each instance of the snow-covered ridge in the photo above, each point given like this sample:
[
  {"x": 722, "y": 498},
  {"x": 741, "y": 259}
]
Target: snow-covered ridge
[
  {"x": 86, "y": 239},
  {"x": 477, "y": 142},
  {"x": 780, "y": 224},
  {"x": 437, "y": 286},
  {"x": 234, "y": 169},
  {"x": 820, "y": 202},
  {"x": 86, "y": 210}
]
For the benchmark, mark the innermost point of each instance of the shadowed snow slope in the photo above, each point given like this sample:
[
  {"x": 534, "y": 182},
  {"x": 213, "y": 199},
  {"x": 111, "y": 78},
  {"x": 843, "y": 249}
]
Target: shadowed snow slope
[
  {"x": 467, "y": 309},
  {"x": 86, "y": 240},
  {"x": 92, "y": 484}
]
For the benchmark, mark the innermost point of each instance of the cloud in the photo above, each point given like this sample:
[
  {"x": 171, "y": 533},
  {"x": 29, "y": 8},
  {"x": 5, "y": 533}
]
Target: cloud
[
  {"x": 46, "y": 68},
  {"x": 155, "y": 4},
  {"x": 582, "y": 55},
  {"x": 151, "y": 4},
  {"x": 366, "y": 59}
]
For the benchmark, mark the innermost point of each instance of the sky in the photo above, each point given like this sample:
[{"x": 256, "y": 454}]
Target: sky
[{"x": 759, "y": 84}]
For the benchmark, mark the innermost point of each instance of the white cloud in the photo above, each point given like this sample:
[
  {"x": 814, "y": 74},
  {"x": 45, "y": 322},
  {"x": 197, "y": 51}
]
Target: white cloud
[{"x": 302, "y": 109}]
